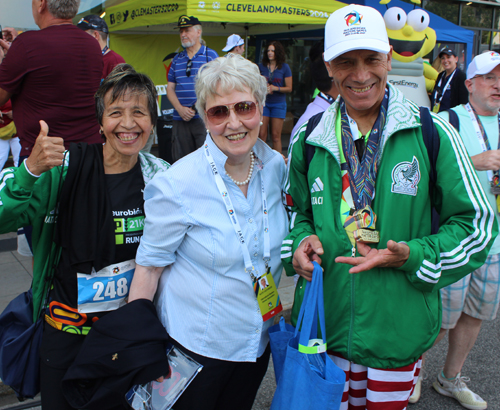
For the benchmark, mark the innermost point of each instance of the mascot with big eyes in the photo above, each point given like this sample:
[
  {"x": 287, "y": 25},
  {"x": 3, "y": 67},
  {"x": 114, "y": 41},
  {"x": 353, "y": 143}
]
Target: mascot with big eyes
[{"x": 411, "y": 39}]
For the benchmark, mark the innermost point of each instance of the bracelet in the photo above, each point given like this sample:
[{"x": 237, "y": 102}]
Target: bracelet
[
  {"x": 29, "y": 172},
  {"x": 279, "y": 89}
]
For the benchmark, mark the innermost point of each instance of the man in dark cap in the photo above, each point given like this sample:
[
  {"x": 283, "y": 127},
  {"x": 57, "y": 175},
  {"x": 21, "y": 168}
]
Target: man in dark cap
[
  {"x": 450, "y": 88},
  {"x": 97, "y": 28},
  {"x": 188, "y": 132}
]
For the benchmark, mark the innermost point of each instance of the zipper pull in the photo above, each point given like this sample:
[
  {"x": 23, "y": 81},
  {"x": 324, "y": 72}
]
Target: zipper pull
[{"x": 353, "y": 253}]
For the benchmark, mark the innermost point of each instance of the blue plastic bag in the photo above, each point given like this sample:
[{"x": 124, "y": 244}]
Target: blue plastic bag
[
  {"x": 309, "y": 379},
  {"x": 20, "y": 341}
]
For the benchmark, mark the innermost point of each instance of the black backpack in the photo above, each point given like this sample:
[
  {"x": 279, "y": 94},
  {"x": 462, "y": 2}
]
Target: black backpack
[{"x": 431, "y": 141}]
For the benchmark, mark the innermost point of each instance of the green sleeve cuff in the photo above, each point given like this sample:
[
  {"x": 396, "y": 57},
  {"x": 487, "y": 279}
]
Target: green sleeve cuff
[
  {"x": 415, "y": 259},
  {"x": 24, "y": 179}
]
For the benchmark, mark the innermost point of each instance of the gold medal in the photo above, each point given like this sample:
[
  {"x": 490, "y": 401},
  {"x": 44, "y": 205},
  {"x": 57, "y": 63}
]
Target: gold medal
[{"x": 360, "y": 226}]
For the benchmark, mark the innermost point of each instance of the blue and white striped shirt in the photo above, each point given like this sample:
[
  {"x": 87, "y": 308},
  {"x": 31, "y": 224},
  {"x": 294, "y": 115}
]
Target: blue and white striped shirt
[
  {"x": 184, "y": 85},
  {"x": 205, "y": 298}
]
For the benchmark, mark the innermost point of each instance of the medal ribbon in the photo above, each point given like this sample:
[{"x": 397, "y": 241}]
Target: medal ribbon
[
  {"x": 437, "y": 96},
  {"x": 483, "y": 138},
  {"x": 362, "y": 175},
  {"x": 234, "y": 220}
]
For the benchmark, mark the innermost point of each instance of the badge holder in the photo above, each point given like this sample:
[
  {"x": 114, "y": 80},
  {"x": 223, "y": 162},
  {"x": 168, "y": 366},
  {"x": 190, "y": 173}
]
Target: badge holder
[
  {"x": 267, "y": 295},
  {"x": 162, "y": 396}
]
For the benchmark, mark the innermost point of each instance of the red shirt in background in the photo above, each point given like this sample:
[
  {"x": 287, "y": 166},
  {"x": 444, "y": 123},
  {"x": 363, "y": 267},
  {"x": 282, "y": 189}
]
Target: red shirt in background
[
  {"x": 111, "y": 60},
  {"x": 53, "y": 75}
]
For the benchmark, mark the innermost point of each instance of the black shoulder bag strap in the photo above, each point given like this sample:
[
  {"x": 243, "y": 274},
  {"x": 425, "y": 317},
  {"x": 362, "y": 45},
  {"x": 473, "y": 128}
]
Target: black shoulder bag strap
[
  {"x": 431, "y": 141},
  {"x": 453, "y": 116}
]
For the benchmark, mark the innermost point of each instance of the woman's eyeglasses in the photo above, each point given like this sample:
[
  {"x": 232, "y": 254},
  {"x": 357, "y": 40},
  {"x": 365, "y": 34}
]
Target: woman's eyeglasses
[
  {"x": 244, "y": 110},
  {"x": 188, "y": 68}
]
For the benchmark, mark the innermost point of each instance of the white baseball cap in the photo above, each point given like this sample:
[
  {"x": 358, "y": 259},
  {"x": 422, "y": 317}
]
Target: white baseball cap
[
  {"x": 233, "y": 41},
  {"x": 355, "y": 27},
  {"x": 483, "y": 64}
]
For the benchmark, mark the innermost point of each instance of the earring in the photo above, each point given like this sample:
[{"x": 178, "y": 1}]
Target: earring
[{"x": 261, "y": 123}]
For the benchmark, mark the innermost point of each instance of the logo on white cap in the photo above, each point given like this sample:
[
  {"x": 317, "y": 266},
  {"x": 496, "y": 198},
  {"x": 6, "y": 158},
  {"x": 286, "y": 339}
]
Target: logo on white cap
[{"x": 355, "y": 27}]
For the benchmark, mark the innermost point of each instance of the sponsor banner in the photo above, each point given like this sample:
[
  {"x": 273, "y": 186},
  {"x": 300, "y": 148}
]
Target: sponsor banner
[{"x": 137, "y": 13}]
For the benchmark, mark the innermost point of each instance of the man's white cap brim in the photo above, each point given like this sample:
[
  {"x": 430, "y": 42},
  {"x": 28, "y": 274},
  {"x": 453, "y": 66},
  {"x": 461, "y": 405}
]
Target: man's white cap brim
[
  {"x": 485, "y": 69},
  {"x": 358, "y": 44}
]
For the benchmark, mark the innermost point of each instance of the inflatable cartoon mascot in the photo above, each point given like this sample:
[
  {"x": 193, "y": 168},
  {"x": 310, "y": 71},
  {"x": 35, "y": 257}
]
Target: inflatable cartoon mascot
[{"x": 411, "y": 39}]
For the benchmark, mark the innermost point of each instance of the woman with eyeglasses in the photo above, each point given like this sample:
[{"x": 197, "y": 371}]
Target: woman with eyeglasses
[
  {"x": 279, "y": 82},
  {"x": 214, "y": 227}
]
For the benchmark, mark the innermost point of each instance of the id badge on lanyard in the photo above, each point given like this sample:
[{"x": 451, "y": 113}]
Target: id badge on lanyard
[
  {"x": 267, "y": 295},
  {"x": 438, "y": 99},
  {"x": 264, "y": 285}
]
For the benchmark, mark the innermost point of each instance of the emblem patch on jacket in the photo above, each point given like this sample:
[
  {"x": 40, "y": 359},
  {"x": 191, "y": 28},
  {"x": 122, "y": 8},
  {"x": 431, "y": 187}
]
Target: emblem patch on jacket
[{"x": 405, "y": 178}]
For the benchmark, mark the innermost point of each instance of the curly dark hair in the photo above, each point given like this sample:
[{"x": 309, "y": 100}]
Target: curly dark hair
[{"x": 279, "y": 54}]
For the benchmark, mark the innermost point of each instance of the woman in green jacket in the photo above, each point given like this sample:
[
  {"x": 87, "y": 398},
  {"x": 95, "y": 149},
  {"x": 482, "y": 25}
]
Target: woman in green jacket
[{"x": 87, "y": 211}]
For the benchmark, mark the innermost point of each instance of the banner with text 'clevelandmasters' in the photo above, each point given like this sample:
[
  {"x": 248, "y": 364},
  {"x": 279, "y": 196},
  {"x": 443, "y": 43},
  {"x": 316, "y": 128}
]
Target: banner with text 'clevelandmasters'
[{"x": 139, "y": 13}]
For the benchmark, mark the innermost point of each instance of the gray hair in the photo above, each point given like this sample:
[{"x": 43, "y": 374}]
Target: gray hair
[
  {"x": 232, "y": 72},
  {"x": 63, "y": 9},
  {"x": 124, "y": 79}
]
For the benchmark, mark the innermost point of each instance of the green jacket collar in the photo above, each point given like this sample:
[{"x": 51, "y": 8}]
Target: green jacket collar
[{"x": 402, "y": 114}]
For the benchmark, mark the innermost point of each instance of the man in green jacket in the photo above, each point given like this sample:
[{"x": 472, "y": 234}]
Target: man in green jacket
[{"x": 361, "y": 207}]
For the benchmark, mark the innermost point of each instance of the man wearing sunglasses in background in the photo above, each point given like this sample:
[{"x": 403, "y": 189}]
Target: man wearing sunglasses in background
[
  {"x": 188, "y": 132},
  {"x": 474, "y": 298}
]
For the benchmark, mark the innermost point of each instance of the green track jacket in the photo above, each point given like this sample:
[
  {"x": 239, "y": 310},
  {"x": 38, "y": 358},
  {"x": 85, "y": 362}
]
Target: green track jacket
[
  {"x": 387, "y": 317},
  {"x": 28, "y": 200}
]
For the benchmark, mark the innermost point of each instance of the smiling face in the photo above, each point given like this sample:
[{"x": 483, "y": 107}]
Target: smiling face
[
  {"x": 485, "y": 98},
  {"x": 271, "y": 53},
  {"x": 190, "y": 36},
  {"x": 361, "y": 78},
  {"x": 126, "y": 124},
  {"x": 449, "y": 63},
  {"x": 234, "y": 137}
]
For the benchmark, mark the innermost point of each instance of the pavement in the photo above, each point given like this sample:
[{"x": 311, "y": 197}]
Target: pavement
[{"x": 482, "y": 365}]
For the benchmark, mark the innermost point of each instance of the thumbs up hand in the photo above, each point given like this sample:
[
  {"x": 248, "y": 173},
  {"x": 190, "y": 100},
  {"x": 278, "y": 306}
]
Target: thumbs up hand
[{"x": 47, "y": 153}]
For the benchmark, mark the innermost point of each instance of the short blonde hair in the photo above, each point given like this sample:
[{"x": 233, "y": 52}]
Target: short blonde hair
[{"x": 232, "y": 72}]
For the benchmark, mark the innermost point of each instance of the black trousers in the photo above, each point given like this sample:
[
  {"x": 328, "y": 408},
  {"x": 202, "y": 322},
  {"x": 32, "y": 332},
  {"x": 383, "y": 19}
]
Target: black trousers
[
  {"x": 58, "y": 351},
  {"x": 223, "y": 385}
]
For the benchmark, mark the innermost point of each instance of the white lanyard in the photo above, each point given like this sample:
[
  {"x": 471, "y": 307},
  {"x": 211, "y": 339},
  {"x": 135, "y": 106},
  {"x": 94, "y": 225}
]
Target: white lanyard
[
  {"x": 445, "y": 87},
  {"x": 482, "y": 138},
  {"x": 236, "y": 225}
]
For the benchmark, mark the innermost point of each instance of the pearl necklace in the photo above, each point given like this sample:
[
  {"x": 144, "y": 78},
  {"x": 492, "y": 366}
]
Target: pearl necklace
[{"x": 250, "y": 172}]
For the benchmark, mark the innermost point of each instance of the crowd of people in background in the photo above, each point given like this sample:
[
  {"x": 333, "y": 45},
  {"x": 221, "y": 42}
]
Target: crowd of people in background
[{"x": 232, "y": 212}]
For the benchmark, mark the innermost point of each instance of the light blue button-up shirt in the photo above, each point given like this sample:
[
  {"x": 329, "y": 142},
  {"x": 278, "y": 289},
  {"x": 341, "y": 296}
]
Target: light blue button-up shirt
[{"x": 205, "y": 298}]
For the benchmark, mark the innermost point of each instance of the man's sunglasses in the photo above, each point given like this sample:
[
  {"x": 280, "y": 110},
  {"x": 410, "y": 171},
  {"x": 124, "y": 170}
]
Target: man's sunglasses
[
  {"x": 188, "y": 68},
  {"x": 244, "y": 110}
]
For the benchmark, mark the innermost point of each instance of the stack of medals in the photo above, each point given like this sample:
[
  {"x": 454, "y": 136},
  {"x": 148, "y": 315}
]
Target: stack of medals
[{"x": 360, "y": 226}]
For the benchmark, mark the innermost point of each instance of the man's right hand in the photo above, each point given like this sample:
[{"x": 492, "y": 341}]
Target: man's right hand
[
  {"x": 186, "y": 113},
  {"x": 487, "y": 161},
  {"x": 307, "y": 252},
  {"x": 47, "y": 153}
]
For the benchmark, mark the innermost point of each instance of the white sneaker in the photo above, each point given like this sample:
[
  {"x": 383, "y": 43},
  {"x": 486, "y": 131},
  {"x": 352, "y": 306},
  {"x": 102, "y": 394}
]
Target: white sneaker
[
  {"x": 459, "y": 391},
  {"x": 417, "y": 390}
]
